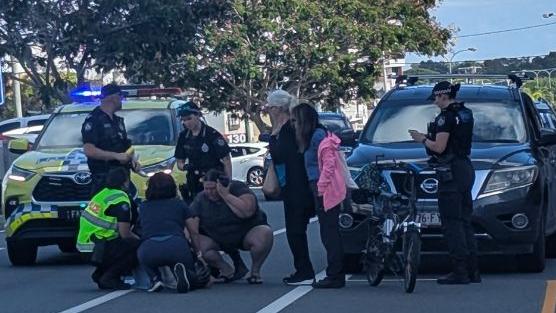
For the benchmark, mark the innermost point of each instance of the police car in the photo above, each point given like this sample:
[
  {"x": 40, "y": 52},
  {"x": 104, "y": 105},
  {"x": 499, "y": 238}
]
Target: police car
[
  {"x": 47, "y": 187},
  {"x": 513, "y": 154}
]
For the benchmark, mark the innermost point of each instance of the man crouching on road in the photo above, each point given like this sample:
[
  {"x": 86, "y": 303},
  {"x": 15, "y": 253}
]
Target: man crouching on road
[
  {"x": 228, "y": 217},
  {"x": 105, "y": 230}
]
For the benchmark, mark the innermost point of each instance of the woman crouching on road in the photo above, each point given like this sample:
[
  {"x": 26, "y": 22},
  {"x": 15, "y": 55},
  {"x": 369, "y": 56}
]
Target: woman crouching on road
[
  {"x": 329, "y": 190},
  {"x": 163, "y": 220}
]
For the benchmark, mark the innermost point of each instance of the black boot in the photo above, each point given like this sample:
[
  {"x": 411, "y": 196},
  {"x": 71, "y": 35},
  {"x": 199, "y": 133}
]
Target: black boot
[
  {"x": 240, "y": 269},
  {"x": 459, "y": 276},
  {"x": 473, "y": 269},
  {"x": 330, "y": 282}
]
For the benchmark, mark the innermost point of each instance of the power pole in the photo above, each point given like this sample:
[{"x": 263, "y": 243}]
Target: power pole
[{"x": 16, "y": 69}]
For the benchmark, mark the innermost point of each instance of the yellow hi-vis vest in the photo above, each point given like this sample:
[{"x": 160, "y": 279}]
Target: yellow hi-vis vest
[{"x": 95, "y": 222}]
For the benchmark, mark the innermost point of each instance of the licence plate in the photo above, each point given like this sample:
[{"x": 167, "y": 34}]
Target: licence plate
[
  {"x": 69, "y": 213},
  {"x": 428, "y": 218}
]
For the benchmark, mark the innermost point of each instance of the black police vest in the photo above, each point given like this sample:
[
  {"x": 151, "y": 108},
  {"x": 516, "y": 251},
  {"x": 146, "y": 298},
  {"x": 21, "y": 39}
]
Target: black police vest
[{"x": 462, "y": 136}]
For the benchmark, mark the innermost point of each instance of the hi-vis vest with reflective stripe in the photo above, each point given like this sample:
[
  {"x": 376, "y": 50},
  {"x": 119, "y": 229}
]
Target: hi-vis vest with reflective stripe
[{"x": 95, "y": 222}]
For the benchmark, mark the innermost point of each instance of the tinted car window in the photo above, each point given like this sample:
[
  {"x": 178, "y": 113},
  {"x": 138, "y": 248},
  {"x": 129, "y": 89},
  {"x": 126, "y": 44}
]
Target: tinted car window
[
  {"x": 334, "y": 124},
  {"x": 36, "y": 123},
  {"x": 7, "y": 127},
  {"x": 494, "y": 122},
  {"x": 236, "y": 152},
  {"x": 144, "y": 127}
]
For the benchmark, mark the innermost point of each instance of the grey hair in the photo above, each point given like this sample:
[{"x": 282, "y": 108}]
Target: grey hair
[{"x": 281, "y": 98}]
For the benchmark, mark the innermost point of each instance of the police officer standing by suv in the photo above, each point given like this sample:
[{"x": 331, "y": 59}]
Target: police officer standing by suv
[
  {"x": 448, "y": 142},
  {"x": 105, "y": 139}
]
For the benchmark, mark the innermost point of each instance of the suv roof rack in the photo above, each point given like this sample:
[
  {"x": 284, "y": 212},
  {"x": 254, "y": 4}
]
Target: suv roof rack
[{"x": 410, "y": 80}]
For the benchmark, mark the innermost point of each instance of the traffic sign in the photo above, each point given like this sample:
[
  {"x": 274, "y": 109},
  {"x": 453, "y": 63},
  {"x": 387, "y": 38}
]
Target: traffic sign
[{"x": 1, "y": 86}]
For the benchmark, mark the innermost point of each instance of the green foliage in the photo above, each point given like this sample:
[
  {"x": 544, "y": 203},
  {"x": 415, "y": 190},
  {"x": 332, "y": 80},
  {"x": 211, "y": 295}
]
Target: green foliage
[{"x": 329, "y": 51}]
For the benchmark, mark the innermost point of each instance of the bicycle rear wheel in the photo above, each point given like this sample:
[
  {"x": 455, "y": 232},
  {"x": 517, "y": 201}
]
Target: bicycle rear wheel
[
  {"x": 374, "y": 261},
  {"x": 412, "y": 258}
]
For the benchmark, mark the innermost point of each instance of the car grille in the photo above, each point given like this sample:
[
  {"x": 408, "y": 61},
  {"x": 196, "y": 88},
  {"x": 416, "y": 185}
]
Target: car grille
[
  {"x": 403, "y": 187},
  {"x": 60, "y": 189}
]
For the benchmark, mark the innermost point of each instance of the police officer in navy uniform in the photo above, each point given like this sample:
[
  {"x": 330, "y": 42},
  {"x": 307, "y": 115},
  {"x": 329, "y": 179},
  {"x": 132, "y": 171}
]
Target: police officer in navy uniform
[
  {"x": 203, "y": 147},
  {"x": 105, "y": 139},
  {"x": 449, "y": 144}
]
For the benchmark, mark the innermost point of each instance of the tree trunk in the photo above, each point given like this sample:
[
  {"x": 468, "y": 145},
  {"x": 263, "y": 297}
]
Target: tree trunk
[{"x": 261, "y": 125}]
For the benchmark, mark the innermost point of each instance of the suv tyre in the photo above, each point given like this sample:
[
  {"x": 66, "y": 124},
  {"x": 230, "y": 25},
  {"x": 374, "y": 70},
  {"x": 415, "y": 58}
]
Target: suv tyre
[{"x": 22, "y": 253}]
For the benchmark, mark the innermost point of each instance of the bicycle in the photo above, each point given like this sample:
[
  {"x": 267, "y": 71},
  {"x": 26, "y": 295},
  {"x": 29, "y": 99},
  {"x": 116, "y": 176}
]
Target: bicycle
[{"x": 393, "y": 216}]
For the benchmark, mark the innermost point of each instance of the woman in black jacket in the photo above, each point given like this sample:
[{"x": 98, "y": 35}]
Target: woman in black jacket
[{"x": 298, "y": 200}]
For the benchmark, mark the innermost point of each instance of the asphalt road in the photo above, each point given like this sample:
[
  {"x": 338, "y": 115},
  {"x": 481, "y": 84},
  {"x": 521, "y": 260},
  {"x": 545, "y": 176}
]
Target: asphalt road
[{"x": 61, "y": 283}]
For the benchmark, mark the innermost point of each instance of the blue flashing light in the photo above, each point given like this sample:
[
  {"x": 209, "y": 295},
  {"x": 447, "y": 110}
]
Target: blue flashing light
[
  {"x": 83, "y": 205},
  {"x": 85, "y": 93}
]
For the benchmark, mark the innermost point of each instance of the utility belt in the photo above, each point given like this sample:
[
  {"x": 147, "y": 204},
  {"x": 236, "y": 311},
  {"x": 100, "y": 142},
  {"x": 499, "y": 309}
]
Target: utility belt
[{"x": 443, "y": 166}]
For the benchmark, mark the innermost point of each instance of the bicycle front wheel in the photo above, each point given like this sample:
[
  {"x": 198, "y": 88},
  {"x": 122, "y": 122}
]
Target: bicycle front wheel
[
  {"x": 412, "y": 258},
  {"x": 374, "y": 262}
]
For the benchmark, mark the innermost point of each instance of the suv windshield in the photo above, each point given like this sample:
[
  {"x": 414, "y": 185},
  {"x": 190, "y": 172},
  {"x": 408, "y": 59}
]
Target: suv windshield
[
  {"x": 496, "y": 122},
  {"x": 144, "y": 127}
]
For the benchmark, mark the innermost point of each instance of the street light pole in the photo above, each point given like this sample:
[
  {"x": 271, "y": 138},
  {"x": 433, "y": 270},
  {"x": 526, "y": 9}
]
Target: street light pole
[{"x": 456, "y": 53}]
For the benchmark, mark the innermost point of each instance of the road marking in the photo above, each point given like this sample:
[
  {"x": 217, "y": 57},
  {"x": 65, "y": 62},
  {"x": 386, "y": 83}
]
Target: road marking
[
  {"x": 283, "y": 230},
  {"x": 97, "y": 301},
  {"x": 550, "y": 297},
  {"x": 2, "y": 249}
]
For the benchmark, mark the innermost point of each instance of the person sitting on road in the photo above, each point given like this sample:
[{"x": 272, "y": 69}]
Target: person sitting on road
[
  {"x": 228, "y": 217},
  {"x": 163, "y": 220},
  {"x": 105, "y": 230}
]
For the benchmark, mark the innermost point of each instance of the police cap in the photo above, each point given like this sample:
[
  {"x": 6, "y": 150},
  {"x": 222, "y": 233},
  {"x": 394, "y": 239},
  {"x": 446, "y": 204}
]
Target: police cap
[
  {"x": 110, "y": 89},
  {"x": 444, "y": 88},
  {"x": 188, "y": 108}
]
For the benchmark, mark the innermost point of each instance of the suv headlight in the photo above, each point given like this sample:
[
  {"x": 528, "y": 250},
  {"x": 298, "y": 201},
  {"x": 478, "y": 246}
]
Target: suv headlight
[
  {"x": 510, "y": 178},
  {"x": 19, "y": 174},
  {"x": 165, "y": 166}
]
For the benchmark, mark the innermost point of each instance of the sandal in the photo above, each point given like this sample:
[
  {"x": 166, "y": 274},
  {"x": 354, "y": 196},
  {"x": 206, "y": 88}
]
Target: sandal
[{"x": 254, "y": 280}]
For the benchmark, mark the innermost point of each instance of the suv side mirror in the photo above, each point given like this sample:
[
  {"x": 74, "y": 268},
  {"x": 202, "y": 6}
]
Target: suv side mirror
[
  {"x": 264, "y": 137},
  {"x": 19, "y": 146},
  {"x": 548, "y": 136}
]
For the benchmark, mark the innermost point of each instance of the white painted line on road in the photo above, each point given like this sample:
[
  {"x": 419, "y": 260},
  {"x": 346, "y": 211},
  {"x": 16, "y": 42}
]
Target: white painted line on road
[
  {"x": 290, "y": 297},
  {"x": 283, "y": 230},
  {"x": 98, "y": 301},
  {"x": 1, "y": 231},
  {"x": 2, "y": 249}
]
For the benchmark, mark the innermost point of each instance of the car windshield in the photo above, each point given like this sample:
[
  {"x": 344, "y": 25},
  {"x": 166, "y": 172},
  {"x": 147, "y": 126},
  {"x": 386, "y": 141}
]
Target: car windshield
[
  {"x": 144, "y": 127},
  {"x": 496, "y": 122},
  {"x": 333, "y": 124}
]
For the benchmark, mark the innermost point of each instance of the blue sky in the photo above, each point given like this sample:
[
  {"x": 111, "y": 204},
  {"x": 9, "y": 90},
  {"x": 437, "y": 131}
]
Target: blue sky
[{"x": 478, "y": 16}]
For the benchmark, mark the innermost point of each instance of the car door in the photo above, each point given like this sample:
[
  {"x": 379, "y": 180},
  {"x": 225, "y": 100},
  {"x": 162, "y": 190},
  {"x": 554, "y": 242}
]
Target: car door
[{"x": 546, "y": 121}]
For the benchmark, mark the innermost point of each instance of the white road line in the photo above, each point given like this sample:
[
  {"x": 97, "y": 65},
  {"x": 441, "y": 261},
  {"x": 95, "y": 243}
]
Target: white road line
[
  {"x": 290, "y": 297},
  {"x": 2, "y": 249},
  {"x": 283, "y": 230},
  {"x": 98, "y": 301},
  {"x": 1, "y": 231}
]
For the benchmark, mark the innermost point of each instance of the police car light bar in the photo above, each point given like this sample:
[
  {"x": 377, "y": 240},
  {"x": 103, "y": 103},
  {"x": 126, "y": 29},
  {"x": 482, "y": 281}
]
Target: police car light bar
[
  {"x": 150, "y": 92},
  {"x": 515, "y": 79}
]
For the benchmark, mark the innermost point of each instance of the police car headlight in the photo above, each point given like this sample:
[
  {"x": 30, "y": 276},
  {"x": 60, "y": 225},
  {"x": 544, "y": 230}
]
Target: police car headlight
[
  {"x": 165, "y": 166},
  {"x": 510, "y": 178},
  {"x": 19, "y": 174}
]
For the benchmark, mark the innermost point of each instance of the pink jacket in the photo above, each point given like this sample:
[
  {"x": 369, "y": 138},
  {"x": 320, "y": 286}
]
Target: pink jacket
[{"x": 331, "y": 184}]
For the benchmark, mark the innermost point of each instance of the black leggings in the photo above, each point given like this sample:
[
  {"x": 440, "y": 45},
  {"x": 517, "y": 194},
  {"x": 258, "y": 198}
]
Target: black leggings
[{"x": 155, "y": 253}]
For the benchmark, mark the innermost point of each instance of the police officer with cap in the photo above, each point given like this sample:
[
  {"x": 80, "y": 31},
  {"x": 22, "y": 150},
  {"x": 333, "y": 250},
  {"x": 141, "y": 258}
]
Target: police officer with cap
[
  {"x": 203, "y": 147},
  {"x": 105, "y": 139},
  {"x": 449, "y": 143}
]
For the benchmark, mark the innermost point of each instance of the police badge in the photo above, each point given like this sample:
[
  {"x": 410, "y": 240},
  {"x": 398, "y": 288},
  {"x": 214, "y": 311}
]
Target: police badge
[{"x": 205, "y": 148}]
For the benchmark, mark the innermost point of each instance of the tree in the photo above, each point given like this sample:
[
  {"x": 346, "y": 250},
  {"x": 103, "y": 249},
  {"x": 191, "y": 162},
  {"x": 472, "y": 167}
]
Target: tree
[
  {"x": 329, "y": 51},
  {"x": 49, "y": 38}
]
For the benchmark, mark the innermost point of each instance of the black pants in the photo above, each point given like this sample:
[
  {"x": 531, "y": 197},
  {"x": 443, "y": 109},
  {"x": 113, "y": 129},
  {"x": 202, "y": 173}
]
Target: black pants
[
  {"x": 192, "y": 186},
  {"x": 297, "y": 219},
  {"x": 330, "y": 235},
  {"x": 455, "y": 204},
  {"x": 119, "y": 258},
  {"x": 99, "y": 182},
  {"x": 154, "y": 253}
]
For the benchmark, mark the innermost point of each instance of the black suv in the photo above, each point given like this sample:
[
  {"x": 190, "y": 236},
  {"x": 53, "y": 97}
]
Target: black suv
[
  {"x": 341, "y": 127},
  {"x": 514, "y": 156}
]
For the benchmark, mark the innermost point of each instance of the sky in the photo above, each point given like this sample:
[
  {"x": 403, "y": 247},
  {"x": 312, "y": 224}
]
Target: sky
[{"x": 478, "y": 16}]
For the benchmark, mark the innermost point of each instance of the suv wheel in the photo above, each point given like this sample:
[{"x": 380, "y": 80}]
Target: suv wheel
[
  {"x": 22, "y": 253},
  {"x": 534, "y": 262},
  {"x": 255, "y": 176}
]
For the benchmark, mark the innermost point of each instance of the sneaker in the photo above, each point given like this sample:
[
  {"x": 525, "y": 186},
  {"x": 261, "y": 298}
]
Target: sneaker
[
  {"x": 454, "y": 279},
  {"x": 328, "y": 283},
  {"x": 475, "y": 277},
  {"x": 297, "y": 279},
  {"x": 181, "y": 277},
  {"x": 156, "y": 287}
]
